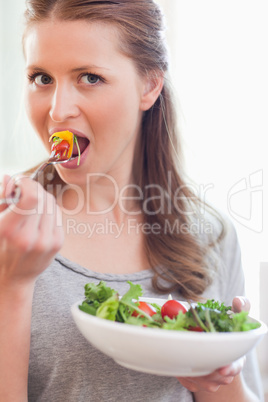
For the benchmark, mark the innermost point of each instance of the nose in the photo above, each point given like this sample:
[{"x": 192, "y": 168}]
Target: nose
[{"x": 63, "y": 105}]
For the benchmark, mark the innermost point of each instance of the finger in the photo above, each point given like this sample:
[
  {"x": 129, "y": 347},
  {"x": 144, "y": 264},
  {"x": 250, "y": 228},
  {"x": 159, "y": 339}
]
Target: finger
[
  {"x": 31, "y": 197},
  {"x": 14, "y": 219},
  {"x": 20, "y": 232},
  {"x": 10, "y": 186},
  {"x": 186, "y": 382},
  {"x": 58, "y": 230},
  {"x": 47, "y": 226},
  {"x": 212, "y": 382},
  {"x": 38, "y": 230},
  {"x": 240, "y": 303},
  {"x": 209, "y": 383},
  {"x": 234, "y": 368},
  {"x": 6, "y": 178}
]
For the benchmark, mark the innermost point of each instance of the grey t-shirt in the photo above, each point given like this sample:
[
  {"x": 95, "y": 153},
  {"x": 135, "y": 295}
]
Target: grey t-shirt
[{"x": 64, "y": 367}]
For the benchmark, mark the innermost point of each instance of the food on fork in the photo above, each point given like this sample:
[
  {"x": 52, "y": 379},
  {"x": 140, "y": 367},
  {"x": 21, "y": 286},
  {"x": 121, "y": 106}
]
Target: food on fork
[{"x": 63, "y": 144}]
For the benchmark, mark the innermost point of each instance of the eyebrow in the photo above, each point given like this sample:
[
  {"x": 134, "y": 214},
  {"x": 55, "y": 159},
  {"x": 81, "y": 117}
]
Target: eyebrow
[
  {"x": 89, "y": 67},
  {"x": 74, "y": 70}
]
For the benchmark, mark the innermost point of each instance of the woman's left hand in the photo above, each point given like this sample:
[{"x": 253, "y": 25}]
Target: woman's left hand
[
  {"x": 224, "y": 375},
  {"x": 212, "y": 382}
]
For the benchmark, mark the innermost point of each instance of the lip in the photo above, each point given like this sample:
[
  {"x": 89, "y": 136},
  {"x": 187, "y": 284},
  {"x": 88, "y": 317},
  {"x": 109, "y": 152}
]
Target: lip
[
  {"x": 75, "y": 132},
  {"x": 72, "y": 164}
]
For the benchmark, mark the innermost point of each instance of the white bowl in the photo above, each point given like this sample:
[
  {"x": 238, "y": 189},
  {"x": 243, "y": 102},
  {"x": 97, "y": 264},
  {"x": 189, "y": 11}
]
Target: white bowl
[{"x": 165, "y": 352}]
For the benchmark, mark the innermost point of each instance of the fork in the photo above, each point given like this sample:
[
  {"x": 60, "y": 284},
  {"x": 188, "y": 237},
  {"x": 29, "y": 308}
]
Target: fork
[
  {"x": 16, "y": 193},
  {"x": 53, "y": 160}
]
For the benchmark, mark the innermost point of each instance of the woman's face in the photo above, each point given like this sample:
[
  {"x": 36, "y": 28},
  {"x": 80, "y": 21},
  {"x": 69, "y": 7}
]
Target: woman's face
[{"x": 78, "y": 80}]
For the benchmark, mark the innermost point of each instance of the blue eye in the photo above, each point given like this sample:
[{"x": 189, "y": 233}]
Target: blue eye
[
  {"x": 90, "y": 79},
  {"x": 40, "y": 79}
]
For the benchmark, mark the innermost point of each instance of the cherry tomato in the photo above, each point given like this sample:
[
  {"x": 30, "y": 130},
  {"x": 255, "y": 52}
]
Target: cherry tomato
[
  {"x": 172, "y": 308},
  {"x": 195, "y": 329},
  {"x": 144, "y": 307},
  {"x": 61, "y": 148}
]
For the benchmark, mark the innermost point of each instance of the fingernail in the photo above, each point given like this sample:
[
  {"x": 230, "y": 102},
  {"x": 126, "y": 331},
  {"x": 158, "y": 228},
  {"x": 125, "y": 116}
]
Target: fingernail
[
  {"x": 242, "y": 301},
  {"x": 228, "y": 380}
]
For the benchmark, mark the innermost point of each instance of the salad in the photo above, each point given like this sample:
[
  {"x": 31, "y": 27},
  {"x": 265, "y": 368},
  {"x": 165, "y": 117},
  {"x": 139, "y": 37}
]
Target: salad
[
  {"x": 63, "y": 144},
  {"x": 212, "y": 316}
]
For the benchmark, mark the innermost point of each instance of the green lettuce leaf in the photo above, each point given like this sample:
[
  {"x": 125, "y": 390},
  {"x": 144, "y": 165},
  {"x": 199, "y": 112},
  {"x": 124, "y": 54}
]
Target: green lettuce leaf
[
  {"x": 179, "y": 323},
  {"x": 212, "y": 316},
  {"x": 127, "y": 302},
  {"x": 99, "y": 292},
  {"x": 109, "y": 308},
  {"x": 242, "y": 323}
]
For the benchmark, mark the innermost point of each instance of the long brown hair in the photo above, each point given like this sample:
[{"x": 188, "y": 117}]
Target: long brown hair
[{"x": 183, "y": 258}]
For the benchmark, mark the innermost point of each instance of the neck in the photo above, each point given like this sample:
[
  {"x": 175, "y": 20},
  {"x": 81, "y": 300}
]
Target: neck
[{"x": 102, "y": 195}]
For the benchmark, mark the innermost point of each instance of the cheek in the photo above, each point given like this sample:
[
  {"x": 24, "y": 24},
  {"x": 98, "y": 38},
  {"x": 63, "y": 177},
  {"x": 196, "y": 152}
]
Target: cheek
[
  {"x": 34, "y": 110},
  {"x": 35, "y": 113},
  {"x": 31, "y": 107},
  {"x": 116, "y": 115}
]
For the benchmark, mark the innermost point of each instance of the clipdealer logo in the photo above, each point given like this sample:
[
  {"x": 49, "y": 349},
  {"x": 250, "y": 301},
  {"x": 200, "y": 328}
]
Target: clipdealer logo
[
  {"x": 245, "y": 201},
  {"x": 133, "y": 226}
]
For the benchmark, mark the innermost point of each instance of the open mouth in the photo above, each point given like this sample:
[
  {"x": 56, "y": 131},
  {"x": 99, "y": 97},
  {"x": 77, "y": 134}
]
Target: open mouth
[{"x": 82, "y": 145}]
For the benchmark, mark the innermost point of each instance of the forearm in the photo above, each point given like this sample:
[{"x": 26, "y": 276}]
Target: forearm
[
  {"x": 15, "y": 333},
  {"x": 28, "y": 243},
  {"x": 236, "y": 391}
]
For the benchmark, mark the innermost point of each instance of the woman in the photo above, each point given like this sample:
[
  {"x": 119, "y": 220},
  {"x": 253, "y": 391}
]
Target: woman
[{"x": 99, "y": 70}]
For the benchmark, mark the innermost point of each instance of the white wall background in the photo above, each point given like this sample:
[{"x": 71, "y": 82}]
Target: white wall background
[
  {"x": 219, "y": 68},
  {"x": 17, "y": 152}
]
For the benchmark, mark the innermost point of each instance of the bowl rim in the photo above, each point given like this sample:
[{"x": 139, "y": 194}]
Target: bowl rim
[{"x": 159, "y": 332}]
